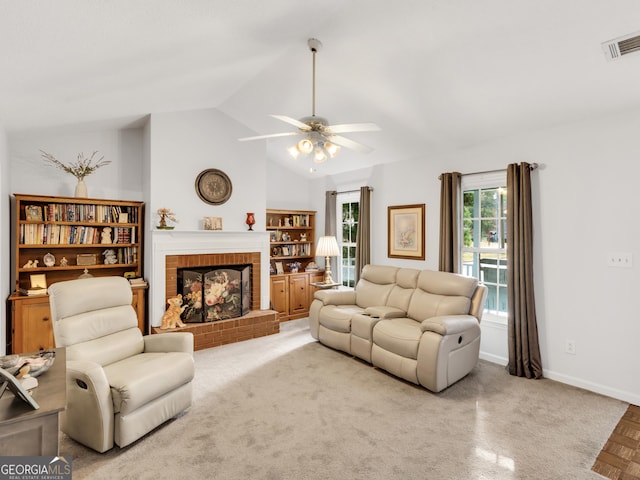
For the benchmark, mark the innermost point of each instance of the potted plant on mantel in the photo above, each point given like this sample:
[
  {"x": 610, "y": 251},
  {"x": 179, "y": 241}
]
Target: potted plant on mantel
[{"x": 81, "y": 168}]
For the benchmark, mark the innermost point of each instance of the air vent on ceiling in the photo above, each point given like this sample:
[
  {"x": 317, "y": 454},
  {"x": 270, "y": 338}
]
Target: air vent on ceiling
[{"x": 618, "y": 47}]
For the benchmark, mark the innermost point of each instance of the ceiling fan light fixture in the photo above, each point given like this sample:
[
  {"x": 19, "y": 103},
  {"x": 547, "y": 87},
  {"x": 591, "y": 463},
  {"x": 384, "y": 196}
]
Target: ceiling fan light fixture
[
  {"x": 294, "y": 151},
  {"x": 332, "y": 149},
  {"x": 305, "y": 145},
  {"x": 320, "y": 156}
]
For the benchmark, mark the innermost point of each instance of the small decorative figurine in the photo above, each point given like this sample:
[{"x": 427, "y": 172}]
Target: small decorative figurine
[
  {"x": 109, "y": 257},
  {"x": 64, "y": 262},
  {"x": 106, "y": 235}
]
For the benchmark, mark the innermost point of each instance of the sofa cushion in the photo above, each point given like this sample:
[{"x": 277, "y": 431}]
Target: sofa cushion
[
  {"x": 399, "y": 335},
  {"x": 426, "y": 305},
  {"x": 137, "y": 380},
  {"x": 338, "y": 318},
  {"x": 369, "y": 294},
  {"x": 444, "y": 283}
]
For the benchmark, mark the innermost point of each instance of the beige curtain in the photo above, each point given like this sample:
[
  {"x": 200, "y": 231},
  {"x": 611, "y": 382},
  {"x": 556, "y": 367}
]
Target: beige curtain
[
  {"x": 449, "y": 260},
  {"x": 524, "y": 349},
  {"x": 363, "y": 239}
]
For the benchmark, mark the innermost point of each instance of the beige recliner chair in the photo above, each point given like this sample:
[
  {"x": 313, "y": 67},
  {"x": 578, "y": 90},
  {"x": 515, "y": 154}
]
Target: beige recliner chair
[{"x": 120, "y": 384}]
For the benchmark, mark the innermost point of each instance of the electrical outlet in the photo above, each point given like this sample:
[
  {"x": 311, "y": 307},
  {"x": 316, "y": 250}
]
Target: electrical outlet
[
  {"x": 620, "y": 259},
  {"x": 571, "y": 347}
]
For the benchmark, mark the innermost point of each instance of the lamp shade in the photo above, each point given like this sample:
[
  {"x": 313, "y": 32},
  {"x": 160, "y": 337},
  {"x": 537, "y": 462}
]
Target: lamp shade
[{"x": 327, "y": 247}]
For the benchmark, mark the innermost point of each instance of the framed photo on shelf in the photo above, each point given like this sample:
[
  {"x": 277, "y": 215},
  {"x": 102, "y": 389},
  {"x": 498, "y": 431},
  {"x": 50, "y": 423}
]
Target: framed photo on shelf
[
  {"x": 279, "y": 268},
  {"x": 38, "y": 280},
  {"x": 273, "y": 236},
  {"x": 12, "y": 383},
  {"x": 406, "y": 231},
  {"x": 33, "y": 213}
]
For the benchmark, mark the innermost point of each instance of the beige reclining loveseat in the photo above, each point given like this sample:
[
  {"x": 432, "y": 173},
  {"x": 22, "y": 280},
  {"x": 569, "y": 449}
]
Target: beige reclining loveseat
[{"x": 420, "y": 325}]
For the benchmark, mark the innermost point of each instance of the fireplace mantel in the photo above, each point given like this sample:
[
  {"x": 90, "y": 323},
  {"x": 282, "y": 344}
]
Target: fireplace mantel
[{"x": 181, "y": 242}]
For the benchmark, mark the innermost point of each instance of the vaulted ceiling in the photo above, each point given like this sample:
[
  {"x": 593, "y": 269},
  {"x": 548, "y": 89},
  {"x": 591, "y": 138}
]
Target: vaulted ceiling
[{"x": 435, "y": 75}]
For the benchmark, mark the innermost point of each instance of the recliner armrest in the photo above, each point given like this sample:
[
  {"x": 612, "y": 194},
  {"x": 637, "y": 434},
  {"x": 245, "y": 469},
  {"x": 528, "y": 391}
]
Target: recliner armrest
[
  {"x": 449, "y": 324},
  {"x": 169, "y": 342},
  {"x": 336, "y": 297},
  {"x": 385, "y": 312},
  {"x": 90, "y": 421}
]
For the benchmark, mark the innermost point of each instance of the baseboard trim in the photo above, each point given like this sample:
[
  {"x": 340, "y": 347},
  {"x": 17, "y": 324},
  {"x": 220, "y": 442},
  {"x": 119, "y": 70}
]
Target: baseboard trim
[
  {"x": 489, "y": 357},
  {"x": 573, "y": 381},
  {"x": 593, "y": 387}
]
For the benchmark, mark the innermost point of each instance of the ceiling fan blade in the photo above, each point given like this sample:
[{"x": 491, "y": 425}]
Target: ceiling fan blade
[
  {"x": 352, "y": 127},
  {"x": 293, "y": 121},
  {"x": 271, "y": 135},
  {"x": 345, "y": 142}
]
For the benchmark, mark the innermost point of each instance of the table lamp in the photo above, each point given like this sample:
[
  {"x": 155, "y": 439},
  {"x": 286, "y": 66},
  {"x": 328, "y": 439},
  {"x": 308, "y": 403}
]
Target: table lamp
[{"x": 327, "y": 247}]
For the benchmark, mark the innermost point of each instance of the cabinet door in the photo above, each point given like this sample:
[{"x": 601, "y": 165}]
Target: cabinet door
[
  {"x": 298, "y": 294},
  {"x": 279, "y": 294},
  {"x": 32, "y": 328}
]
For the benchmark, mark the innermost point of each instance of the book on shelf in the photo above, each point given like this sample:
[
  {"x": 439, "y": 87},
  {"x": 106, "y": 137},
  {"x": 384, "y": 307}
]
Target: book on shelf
[
  {"x": 32, "y": 291},
  {"x": 137, "y": 281}
]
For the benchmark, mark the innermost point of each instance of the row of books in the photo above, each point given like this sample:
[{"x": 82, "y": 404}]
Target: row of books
[
  {"x": 58, "y": 212},
  {"x": 53, "y": 234},
  {"x": 293, "y": 250},
  {"x": 127, "y": 255}
]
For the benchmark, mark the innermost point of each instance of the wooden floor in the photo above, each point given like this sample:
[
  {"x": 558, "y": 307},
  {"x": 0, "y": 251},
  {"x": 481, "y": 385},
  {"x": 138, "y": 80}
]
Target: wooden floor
[{"x": 620, "y": 457}]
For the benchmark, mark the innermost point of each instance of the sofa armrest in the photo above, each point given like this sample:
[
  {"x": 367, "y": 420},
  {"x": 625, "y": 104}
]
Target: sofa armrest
[
  {"x": 385, "y": 312},
  {"x": 89, "y": 414},
  {"x": 336, "y": 297},
  {"x": 169, "y": 342},
  {"x": 449, "y": 324}
]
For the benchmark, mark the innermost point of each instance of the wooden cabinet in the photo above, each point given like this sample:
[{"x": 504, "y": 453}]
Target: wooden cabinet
[
  {"x": 31, "y": 327},
  {"x": 60, "y": 238},
  {"x": 291, "y": 294}
]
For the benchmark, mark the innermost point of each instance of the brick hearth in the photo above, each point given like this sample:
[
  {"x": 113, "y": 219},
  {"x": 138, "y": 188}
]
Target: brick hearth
[{"x": 257, "y": 323}]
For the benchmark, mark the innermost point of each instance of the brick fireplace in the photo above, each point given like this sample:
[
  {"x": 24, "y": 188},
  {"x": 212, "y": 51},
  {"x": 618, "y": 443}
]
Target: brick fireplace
[{"x": 174, "y": 250}]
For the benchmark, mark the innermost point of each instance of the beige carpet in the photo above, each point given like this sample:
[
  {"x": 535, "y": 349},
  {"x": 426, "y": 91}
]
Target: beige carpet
[{"x": 286, "y": 407}]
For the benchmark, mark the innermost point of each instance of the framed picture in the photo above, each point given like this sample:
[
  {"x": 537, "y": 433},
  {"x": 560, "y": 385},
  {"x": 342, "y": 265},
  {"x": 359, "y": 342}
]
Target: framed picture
[
  {"x": 33, "y": 213},
  {"x": 273, "y": 236},
  {"x": 406, "y": 236},
  {"x": 12, "y": 383},
  {"x": 38, "y": 280},
  {"x": 279, "y": 268},
  {"x": 212, "y": 223}
]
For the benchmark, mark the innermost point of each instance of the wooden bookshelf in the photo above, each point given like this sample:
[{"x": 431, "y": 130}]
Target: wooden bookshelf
[{"x": 56, "y": 239}]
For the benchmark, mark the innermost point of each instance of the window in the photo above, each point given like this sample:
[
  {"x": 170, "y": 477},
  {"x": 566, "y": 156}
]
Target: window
[
  {"x": 348, "y": 214},
  {"x": 483, "y": 251}
]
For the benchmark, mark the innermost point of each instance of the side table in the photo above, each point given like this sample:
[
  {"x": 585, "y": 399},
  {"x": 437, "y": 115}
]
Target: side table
[{"x": 25, "y": 431}]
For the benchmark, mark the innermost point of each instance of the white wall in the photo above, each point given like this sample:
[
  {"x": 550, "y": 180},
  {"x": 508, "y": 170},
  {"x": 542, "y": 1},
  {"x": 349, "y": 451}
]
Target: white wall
[
  {"x": 121, "y": 180},
  {"x": 584, "y": 197},
  {"x": 5, "y": 235},
  {"x": 183, "y": 144}
]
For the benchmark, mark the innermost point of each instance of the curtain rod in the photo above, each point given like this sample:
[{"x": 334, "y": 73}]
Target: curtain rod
[
  {"x": 352, "y": 191},
  {"x": 532, "y": 166}
]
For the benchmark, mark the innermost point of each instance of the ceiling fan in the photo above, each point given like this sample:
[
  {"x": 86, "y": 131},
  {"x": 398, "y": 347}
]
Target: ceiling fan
[{"x": 319, "y": 137}]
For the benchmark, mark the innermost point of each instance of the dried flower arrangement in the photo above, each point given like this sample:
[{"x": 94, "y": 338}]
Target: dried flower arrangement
[
  {"x": 80, "y": 168},
  {"x": 166, "y": 214}
]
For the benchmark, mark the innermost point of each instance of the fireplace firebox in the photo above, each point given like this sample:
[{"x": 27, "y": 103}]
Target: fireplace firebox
[{"x": 214, "y": 293}]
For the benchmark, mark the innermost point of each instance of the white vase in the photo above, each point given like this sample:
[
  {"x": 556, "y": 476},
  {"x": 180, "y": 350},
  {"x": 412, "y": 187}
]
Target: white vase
[{"x": 81, "y": 189}]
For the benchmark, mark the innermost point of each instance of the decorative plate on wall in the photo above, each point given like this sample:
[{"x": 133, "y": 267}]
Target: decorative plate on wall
[{"x": 213, "y": 186}]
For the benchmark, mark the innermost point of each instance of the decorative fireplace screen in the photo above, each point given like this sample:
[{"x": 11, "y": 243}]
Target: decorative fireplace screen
[{"x": 214, "y": 293}]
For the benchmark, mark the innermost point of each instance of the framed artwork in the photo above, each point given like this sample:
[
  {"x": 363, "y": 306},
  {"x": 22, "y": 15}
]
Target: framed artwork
[
  {"x": 406, "y": 231},
  {"x": 279, "y": 268},
  {"x": 272, "y": 236},
  {"x": 38, "y": 280},
  {"x": 33, "y": 213}
]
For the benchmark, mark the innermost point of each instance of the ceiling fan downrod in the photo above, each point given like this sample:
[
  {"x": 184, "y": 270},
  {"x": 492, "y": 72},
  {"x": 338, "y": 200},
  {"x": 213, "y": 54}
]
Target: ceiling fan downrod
[{"x": 314, "y": 46}]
